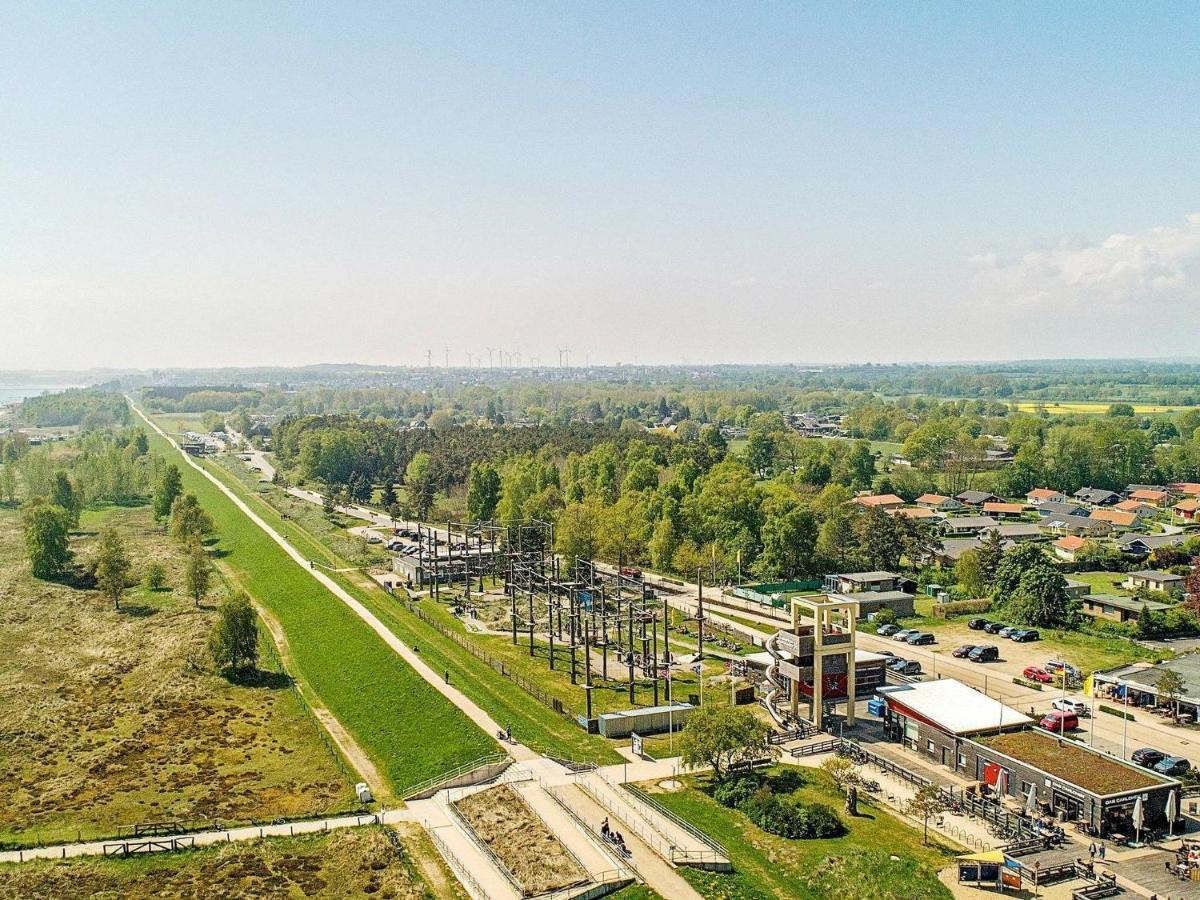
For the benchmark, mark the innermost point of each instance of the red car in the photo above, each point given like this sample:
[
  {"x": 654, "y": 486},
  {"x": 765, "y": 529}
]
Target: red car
[{"x": 1033, "y": 673}]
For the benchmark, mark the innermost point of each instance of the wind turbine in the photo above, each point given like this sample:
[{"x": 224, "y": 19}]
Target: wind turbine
[
  {"x": 447, "y": 349},
  {"x": 492, "y": 350}
]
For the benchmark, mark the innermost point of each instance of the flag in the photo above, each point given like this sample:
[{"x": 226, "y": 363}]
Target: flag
[{"x": 1088, "y": 687}]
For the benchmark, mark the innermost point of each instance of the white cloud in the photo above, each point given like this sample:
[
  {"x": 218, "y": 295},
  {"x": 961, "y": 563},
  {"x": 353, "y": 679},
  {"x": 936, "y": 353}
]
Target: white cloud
[{"x": 1158, "y": 266}]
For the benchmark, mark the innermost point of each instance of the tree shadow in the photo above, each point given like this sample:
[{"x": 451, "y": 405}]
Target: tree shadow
[
  {"x": 136, "y": 610},
  {"x": 259, "y": 678},
  {"x": 219, "y": 553}
]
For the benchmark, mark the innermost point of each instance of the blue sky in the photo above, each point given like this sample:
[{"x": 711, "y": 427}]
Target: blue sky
[{"x": 270, "y": 183}]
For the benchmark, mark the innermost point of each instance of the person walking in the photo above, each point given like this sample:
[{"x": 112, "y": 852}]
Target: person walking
[
  {"x": 1102, "y": 852},
  {"x": 1092, "y": 850},
  {"x": 446, "y": 675}
]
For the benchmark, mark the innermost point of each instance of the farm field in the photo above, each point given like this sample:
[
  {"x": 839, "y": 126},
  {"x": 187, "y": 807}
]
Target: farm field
[
  {"x": 388, "y": 708},
  {"x": 359, "y": 862},
  {"x": 534, "y": 723},
  {"x": 114, "y": 717},
  {"x": 1099, "y": 407},
  {"x": 855, "y": 866}
]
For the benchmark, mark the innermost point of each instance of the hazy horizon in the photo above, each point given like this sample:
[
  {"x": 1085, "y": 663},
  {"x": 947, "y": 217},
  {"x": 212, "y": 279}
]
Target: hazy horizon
[{"x": 224, "y": 185}]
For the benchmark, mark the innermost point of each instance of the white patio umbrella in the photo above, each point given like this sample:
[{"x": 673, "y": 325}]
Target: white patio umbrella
[
  {"x": 1031, "y": 807},
  {"x": 1138, "y": 816},
  {"x": 1171, "y": 813},
  {"x": 1001, "y": 784}
]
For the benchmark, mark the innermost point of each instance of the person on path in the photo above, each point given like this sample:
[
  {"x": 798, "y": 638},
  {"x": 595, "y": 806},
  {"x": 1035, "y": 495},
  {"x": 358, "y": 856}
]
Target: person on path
[
  {"x": 1102, "y": 852},
  {"x": 1092, "y": 849},
  {"x": 447, "y": 676}
]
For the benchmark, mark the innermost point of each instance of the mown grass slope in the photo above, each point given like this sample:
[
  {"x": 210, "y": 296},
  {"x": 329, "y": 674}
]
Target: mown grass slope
[{"x": 409, "y": 730}]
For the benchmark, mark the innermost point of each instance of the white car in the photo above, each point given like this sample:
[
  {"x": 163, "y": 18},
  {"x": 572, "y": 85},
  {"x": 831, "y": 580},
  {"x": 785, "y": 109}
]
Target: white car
[{"x": 1066, "y": 704}]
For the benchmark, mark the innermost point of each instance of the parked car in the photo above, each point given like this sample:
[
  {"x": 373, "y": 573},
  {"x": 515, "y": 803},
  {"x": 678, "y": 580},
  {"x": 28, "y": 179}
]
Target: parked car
[
  {"x": 1172, "y": 765},
  {"x": 1147, "y": 757},
  {"x": 884, "y": 653},
  {"x": 1025, "y": 636},
  {"x": 1066, "y": 704},
  {"x": 921, "y": 637},
  {"x": 904, "y": 666},
  {"x": 1033, "y": 673},
  {"x": 395, "y": 545},
  {"x": 1059, "y": 721},
  {"x": 986, "y": 653},
  {"x": 961, "y": 652},
  {"x": 977, "y": 624},
  {"x": 904, "y": 634},
  {"x": 994, "y": 627},
  {"x": 887, "y": 630},
  {"x": 632, "y": 572},
  {"x": 1008, "y": 631}
]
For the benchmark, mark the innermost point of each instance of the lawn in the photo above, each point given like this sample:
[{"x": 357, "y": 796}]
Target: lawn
[
  {"x": 391, "y": 711},
  {"x": 533, "y": 723},
  {"x": 857, "y": 865},
  {"x": 1103, "y": 582},
  {"x": 359, "y": 862},
  {"x": 113, "y": 717}
]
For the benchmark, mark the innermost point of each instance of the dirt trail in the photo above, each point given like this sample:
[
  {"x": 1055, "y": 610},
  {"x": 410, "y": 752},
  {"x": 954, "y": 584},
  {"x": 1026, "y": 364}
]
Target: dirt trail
[{"x": 350, "y": 749}]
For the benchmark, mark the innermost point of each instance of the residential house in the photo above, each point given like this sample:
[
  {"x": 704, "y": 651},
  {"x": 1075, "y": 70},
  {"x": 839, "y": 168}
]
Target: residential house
[
  {"x": 1078, "y": 525},
  {"x": 963, "y": 525},
  {"x": 1067, "y": 546},
  {"x": 976, "y": 498},
  {"x": 1131, "y": 489},
  {"x": 1145, "y": 544},
  {"x": 1153, "y": 497},
  {"x": 1118, "y": 519},
  {"x": 1002, "y": 510},
  {"x": 882, "y": 501},
  {"x": 1117, "y": 609},
  {"x": 1185, "y": 488},
  {"x": 938, "y": 502},
  {"x": 1139, "y": 508},
  {"x": 1038, "y": 496},
  {"x": 1188, "y": 510},
  {"x": 1054, "y": 508},
  {"x": 1096, "y": 496},
  {"x": 1019, "y": 531},
  {"x": 919, "y": 513},
  {"x": 1154, "y": 580}
]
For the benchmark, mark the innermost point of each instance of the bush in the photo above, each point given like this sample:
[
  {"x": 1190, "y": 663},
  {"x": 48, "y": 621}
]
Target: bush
[
  {"x": 780, "y": 815},
  {"x": 733, "y": 792},
  {"x": 885, "y": 616},
  {"x": 961, "y": 608},
  {"x": 155, "y": 577}
]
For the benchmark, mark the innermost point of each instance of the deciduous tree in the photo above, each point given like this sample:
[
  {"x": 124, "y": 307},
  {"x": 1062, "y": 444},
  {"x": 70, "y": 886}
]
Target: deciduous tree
[
  {"x": 233, "y": 642},
  {"x": 112, "y": 565},
  {"x": 46, "y": 528}
]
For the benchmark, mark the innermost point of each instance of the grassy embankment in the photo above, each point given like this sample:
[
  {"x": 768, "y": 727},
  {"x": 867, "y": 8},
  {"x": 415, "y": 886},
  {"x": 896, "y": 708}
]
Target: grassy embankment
[
  {"x": 408, "y": 729},
  {"x": 358, "y": 862},
  {"x": 114, "y": 716},
  {"x": 533, "y": 723},
  {"x": 857, "y": 865}
]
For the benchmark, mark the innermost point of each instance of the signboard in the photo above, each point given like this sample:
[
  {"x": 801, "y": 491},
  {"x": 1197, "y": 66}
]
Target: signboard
[
  {"x": 1011, "y": 879},
  {"x": 636, "y": 745}
]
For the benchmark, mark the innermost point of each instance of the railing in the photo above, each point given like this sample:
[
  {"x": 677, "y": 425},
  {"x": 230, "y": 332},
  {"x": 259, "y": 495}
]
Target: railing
[
  {"x": 572, "y": 765},
  {"x": 620, "y": 809},
  {"x": 460, "y": 871},
  {"x": 579, "y": 820},
  {"x": 478, "y": 763},
  {"x": 718, "y": 852},
  {"x": 827, "y": 746},
  {"x": 129, "y": 848},
  {"x": 799, "y": 733}
]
